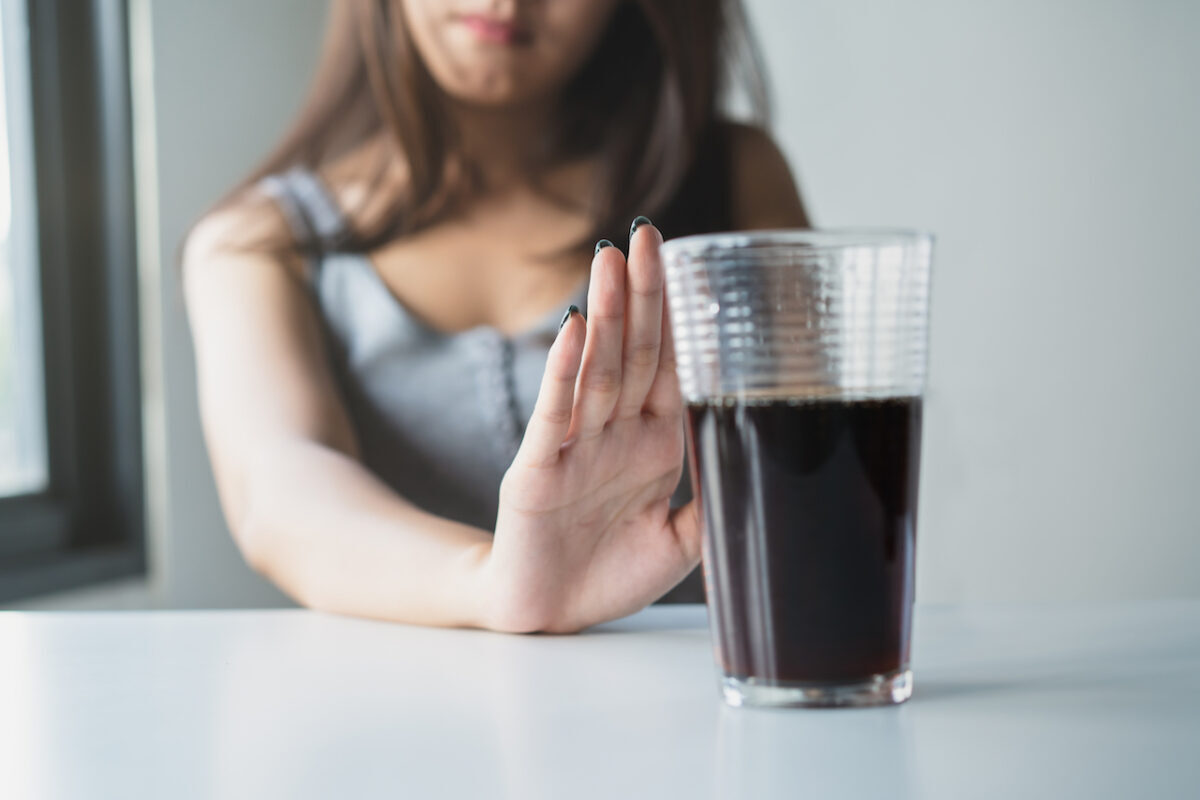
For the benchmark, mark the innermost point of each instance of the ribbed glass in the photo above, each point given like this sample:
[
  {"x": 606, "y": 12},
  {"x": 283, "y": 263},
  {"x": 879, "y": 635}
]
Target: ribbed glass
[{"x": 836, "y": 313}]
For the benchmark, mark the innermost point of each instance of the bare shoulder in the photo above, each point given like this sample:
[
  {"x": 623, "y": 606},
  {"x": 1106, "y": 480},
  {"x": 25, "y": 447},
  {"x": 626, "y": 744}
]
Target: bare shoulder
[
  {"x": 764, "y": 192},
  {"x": 247, "y": 224},
  {"x": 250, "y": 228}
]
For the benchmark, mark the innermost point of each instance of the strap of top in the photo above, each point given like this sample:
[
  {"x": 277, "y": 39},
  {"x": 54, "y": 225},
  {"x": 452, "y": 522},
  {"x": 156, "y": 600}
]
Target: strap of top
[{"x": 310, "y": 210}]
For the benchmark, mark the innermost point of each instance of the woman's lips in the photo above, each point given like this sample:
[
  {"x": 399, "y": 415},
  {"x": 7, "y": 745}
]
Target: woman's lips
[{"x": 496, "y": 31}]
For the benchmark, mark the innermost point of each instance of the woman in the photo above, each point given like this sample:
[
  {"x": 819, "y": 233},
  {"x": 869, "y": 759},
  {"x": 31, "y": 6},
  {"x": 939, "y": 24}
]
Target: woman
[{"x": 399, "y": 426}]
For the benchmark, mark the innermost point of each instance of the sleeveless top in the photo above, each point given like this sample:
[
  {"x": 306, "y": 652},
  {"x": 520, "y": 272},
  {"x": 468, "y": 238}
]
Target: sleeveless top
[{"x": 438, "y": 415}]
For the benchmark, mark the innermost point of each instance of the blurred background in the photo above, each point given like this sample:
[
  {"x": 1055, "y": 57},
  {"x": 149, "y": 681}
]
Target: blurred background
[{"x": 1050, "y": 145}]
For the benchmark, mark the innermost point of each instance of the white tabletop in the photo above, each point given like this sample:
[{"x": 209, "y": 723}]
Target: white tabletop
[{"x": 1010, "y": 703}]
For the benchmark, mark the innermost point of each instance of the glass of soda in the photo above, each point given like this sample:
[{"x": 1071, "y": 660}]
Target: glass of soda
[{"x": 802, "y": 357}]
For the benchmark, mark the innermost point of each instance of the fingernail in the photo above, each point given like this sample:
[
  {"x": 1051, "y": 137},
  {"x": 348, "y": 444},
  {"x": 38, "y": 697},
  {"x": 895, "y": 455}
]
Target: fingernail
[
  {"x": 637, "y": 223},
  {"x": 572, "y": 309},
  {"x": 600, "y": 245}
]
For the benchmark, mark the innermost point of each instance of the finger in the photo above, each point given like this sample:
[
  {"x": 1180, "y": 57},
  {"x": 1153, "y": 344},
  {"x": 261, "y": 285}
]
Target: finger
[
  {"x": 643, "y": 318},
  {"x": 664, "y": 399},
  {"x": 600, "y": 373},
  {"x": 551, "y": 418}
]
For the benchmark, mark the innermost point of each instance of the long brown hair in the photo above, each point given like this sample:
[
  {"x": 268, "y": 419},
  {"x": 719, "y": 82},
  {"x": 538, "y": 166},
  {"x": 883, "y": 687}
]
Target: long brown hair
[{"x": 646, "y": 106}]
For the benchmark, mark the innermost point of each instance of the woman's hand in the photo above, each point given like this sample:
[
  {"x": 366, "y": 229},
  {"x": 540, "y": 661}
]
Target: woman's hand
[{"x": 585, "y": 532}]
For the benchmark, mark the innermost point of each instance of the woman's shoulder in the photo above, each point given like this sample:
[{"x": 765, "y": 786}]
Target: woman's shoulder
[
  {"x": 752, "y": 144},
  {"x": 273, "y": 215},
  {"x": 249, "y": 225},
  {"x": 763, "y": 190}
]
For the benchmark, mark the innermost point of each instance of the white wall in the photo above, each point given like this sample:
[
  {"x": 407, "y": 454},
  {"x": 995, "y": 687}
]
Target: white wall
[{"x": 1050, "y": 144}]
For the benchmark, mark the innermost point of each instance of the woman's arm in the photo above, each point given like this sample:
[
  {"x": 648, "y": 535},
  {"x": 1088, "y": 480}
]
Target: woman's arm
[
  {"x": 585, "y": 532},
  {"x": 764, "y": 194},
  {"x": 303, "y": 510}
]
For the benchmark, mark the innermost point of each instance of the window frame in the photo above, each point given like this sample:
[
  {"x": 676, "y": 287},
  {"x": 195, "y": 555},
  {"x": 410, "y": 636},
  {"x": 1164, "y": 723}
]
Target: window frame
[{"x": 87, "y": 525}]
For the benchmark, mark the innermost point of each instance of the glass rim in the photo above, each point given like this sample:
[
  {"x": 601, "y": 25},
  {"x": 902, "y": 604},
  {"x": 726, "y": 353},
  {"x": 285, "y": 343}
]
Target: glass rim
[{"x": 814, "y": 238}]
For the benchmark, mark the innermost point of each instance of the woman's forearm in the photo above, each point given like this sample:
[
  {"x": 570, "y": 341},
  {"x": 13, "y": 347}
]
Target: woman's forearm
[{"x": 335, "y": 538}]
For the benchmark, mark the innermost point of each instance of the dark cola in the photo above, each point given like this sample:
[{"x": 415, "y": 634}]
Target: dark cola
[{"x": 810, "y": 514}]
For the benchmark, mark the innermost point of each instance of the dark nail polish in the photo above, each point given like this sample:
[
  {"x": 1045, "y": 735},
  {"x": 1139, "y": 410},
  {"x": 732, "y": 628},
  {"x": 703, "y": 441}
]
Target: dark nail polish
[
  {"x": 637, "y": 223},
  {"x": 600, "y": 245},
  {"x": 573, "y": 309}
]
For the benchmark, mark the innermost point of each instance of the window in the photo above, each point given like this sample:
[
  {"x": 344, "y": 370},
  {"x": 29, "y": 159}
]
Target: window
[
  {"x": 70, "y": 430},
  {"x": 22, "y": 428}
]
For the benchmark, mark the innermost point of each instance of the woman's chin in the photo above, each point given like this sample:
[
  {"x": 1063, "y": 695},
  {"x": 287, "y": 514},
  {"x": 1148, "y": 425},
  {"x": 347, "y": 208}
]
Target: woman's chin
[{"x": 495, "y": 98}]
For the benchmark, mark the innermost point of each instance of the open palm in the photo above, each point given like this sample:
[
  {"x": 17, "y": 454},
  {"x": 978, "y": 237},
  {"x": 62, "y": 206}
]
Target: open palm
[{"x": 585, "y": 532}]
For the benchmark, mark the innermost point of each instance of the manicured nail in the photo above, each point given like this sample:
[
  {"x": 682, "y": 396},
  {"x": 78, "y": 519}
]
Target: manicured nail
[
  {"x": 637, "y": 223},
  {"x": 573, "y": 309},
  {"x": 603, "y": 243}
]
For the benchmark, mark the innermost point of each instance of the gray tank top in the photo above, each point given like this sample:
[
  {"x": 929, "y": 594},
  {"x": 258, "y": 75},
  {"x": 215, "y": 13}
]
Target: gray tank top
[{"x": 439, "y": 416}]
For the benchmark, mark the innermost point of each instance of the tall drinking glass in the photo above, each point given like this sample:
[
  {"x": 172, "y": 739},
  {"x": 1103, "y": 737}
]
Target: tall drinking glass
[{"x": 802, "y": 355}]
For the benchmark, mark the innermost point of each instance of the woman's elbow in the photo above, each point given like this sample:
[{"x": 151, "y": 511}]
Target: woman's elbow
[
  {"x": 251, "y": 532},
  {"x": 258, "y": 540}
]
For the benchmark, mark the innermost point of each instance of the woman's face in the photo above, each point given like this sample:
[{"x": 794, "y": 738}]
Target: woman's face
[{"x": 505, "y": 52}]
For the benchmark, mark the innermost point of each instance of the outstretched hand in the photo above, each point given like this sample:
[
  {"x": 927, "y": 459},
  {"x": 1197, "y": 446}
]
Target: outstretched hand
[{"x": 585, "y": 532}]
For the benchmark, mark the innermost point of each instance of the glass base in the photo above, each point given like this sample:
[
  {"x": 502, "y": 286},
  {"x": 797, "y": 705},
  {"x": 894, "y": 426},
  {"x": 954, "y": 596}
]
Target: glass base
[{"x": 879, "y": 690}]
